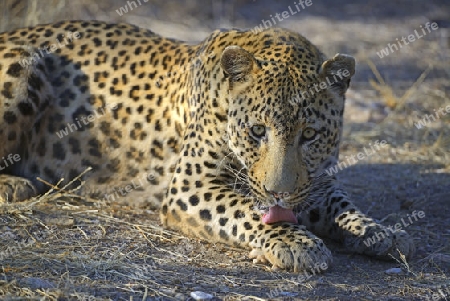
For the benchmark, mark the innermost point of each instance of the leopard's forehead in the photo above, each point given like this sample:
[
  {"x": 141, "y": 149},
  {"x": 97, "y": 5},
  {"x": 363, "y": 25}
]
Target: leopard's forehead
[
  {"x": 273, "y": 45},
  {"x": 289, "y": 67}
]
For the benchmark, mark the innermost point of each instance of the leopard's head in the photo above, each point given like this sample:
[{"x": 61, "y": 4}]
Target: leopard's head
[{"x": 285, "y": 118}]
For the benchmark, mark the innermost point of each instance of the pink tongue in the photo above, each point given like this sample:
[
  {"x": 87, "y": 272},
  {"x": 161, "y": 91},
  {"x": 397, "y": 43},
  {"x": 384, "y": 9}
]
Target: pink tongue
[{"x": 279, "y": 214}]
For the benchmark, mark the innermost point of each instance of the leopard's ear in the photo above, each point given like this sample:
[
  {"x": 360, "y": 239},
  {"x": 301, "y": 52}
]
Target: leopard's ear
[
  {"x": 338, "y": 72},
  {"x": 237, "y": 64}
]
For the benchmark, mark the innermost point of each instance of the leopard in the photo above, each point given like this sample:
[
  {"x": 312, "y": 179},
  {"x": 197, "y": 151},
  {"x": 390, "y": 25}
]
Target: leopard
[{"x": 229, "y": 138}]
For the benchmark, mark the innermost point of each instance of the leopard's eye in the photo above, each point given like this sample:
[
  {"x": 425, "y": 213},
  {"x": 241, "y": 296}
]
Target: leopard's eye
[
  {"x": 308, "y": 134},
  {"x": 258, "y": 131}
]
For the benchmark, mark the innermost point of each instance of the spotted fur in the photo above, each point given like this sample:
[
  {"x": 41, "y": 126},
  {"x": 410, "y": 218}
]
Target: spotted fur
[{"x": 214, "y": 134}]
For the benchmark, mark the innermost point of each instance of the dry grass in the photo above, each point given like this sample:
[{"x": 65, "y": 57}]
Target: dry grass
[{"x": 387, "y": 92}]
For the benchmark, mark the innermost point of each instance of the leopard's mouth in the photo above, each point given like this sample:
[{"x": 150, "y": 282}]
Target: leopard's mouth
[
  {"x": 276, "y": 208},
  {"x": 276, "y": 213}
]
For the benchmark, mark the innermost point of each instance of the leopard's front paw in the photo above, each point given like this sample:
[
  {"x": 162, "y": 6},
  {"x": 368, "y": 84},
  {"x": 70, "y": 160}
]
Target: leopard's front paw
[
  {"x": 291, "y": 247},
  {"x": 383, "y": 243}
]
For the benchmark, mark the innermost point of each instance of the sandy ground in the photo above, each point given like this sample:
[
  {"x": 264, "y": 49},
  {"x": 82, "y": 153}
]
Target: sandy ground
[{"x": 62, "y": 247}]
